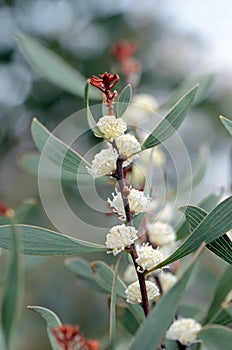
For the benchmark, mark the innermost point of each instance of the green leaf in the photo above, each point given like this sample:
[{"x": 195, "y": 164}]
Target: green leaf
[
  {"x": 126, "y": 318},
  {"x": 216, "y": 337},
  {"x": 194, "y": 215},
  {"x": 13, "y": 288},
  {"x": 24, "y": 209},
  {"x": 124, "y": 100},
  {"x": 112, "y": 332},
  {"x": 2, "y": 340},
  {"x": 52, "y": 321},
  {"x": 56, "y": 150},
  {"x": 90, "y": 119},
  {"x": 227, "y": 123},
  {"x": 199, "y": 171},
  {"x": 172, "y": 120},
  {"x": 216, "y": 223},
  {"x": 104, "y": 275},
  {"x": 203, "y": 81},
  {"x": 222, "y": 246},
  {"x": 222, "y": 289},
  {"x": 151, "y": 332},
  {"x": 29, "y": 162},
  {"x": 53, "y": 67},
  {"x": 206, "y": 203},
  {"x": 83, "y": 271},
  {"x": 40, "y": 241},
  {"x": 222, "y": 317}
]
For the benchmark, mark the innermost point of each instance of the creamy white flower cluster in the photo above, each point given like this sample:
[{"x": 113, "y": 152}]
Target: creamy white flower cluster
[
  {"x": 185, "y": 330},
  {"x": 133, "y": 292},
  {"x": 138, "y": 202},
  {"x": 126, "y": 145},
  {"x": 121, "y": 237},
  {"x": 163, "y": 235}
]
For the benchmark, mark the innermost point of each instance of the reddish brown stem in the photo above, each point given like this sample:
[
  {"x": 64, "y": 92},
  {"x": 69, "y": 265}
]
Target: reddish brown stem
[{"x": 119, "y": 175}]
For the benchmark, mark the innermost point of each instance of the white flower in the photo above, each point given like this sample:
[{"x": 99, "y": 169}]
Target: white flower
[
  {"x": 168, "y": 249},
  {"x": 161, "y": 233},
  {"x": 167, "y": 280},
  {"x": 130, "y": 274},
  {"x": 146, "y": 102},
  {"x": 137, "y": 201},
  {"x": 119, "y": 237},
  {"x": 143, "y": 106},
  {"x": 133, "y": 292},
  {"x": 185, "y": 330},
  {"x": 147, "y": 257},
  {"x": 127, "y": 146},
  {"x": 111, "y": 127},
  {"x": 104, "y": 162},
  {"x": 147, "y": 158}
]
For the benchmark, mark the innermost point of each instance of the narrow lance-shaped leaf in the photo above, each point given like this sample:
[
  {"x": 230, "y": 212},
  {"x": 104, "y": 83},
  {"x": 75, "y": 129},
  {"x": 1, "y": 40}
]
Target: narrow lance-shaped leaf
[
  {"x": 151, "y": 332},
  {"x": 30, "y": 162},
  {"x": 112, "y": 332},
  {"x": 199, "y": 171},
  {"x": 216, "y": 337},
  {"x": 216, "y": 223},
  {"x": 227, "y": 123},
  {"x": 2, "y": 340},
  {"x": 172, "y": 120},
  {"x": 13, "y": 287},
  {"x": 56, "y": 150},
  {"x": 53, "y": 67},
  {"x": 103, "y": 275},
  {"x": 52, "y": 321},
  {"x": 84, "y": 274},
  {"x": 203, "y": 81},
  {"x": 90, "y": 119},
  {"x": 222, "y": 246},
  {"x": 207, "y": 203},
  {"x": 124, "y": 100},
  {"x": 40, "y": 241},
  {"x": 222, "y": 289},
  {"x": 98, "y": 276}
]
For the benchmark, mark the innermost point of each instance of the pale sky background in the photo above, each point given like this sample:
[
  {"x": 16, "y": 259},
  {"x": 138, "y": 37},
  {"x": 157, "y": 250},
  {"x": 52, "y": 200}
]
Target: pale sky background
[{"x": 211, "y": 20}]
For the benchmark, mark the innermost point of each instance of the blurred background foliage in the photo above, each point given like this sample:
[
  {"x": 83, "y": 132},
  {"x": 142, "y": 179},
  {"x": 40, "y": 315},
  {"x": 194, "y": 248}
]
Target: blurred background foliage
[{"x": 83, "y": 33}]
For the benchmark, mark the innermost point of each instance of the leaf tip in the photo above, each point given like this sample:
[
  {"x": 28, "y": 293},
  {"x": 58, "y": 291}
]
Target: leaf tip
[{"x": 182, "y": 208}]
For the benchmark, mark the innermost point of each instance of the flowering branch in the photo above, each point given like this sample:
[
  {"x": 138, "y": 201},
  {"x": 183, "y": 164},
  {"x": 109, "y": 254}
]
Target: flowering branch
[{"x": 119, "y": 175}]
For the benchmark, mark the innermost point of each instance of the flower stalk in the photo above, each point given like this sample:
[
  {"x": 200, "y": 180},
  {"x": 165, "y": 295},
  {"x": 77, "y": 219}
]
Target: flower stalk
[{"x": 119, "y": 176}]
